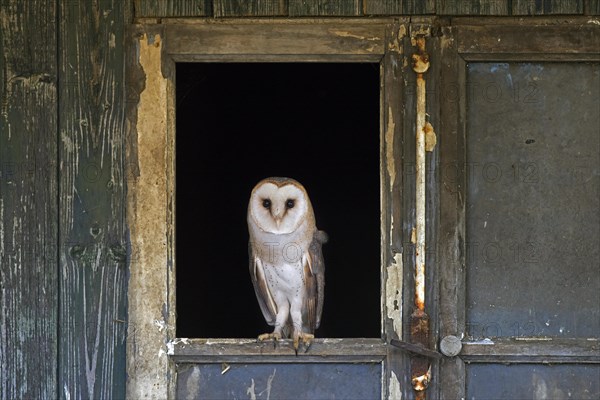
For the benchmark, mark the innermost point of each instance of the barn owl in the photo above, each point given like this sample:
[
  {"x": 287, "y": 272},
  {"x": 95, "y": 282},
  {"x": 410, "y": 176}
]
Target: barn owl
[{"x": 286, "y": 262}]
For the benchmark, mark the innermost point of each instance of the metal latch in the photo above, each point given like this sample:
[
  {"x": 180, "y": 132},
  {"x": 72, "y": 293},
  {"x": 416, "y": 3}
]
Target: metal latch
[
  {"x": 450, "y": 346},
  {"x": 416, "y": 349}
]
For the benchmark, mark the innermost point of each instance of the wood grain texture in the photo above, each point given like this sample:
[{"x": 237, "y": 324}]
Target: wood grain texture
[
  {"x": 256, "y": 8},
  {"x": 592, "y": 7},
  {"x": 451, "y": 235},
  {"x": 329, "y": 8},
  {"x": 364, "y": 40},
  {"x": 172, "y": 8},
  {"x": 93, "y": 245},
  {"x": 472, "y": 7},
  {"x": 573, "y": 39},
  {"x": 397, "y": 7},
  {"x": 394, "y": 177},
  {"x": 533, "y": 7},
  {"x": 247, "y": 350},
  {"x": 533, "y": 350},
  {"x": 28, "y": 206}
]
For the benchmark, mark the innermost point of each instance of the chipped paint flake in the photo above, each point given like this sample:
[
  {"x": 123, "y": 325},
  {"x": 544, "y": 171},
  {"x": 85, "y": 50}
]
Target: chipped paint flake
[
  {"x": 251, "y": 391},
  {"x": 352, "y": 35},
  {"x": 393, "y": 290},
  {"x": 193, "y": 384},
  {"x": 394, "y": 389},
  {"x": 389, "y": 147},
  {"x": 430, "y": 137}
]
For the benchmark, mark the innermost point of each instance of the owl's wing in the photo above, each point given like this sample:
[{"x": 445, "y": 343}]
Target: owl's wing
[
  {"x": 263, "y": 294},
  {"x": 314, "y": 278}
]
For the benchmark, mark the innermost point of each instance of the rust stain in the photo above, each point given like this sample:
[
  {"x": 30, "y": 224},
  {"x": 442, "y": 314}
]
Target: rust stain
[
  {"x": 419, "y": 325},
  {"x": 421, "y": 382},
  {"x": 419, "y": 334},
  {"x": 430, "y": 137},
  {"x": 420, "y": 66}
]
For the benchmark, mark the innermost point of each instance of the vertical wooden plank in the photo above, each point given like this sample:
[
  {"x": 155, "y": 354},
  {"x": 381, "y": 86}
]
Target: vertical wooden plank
[
  {"x": 151, "y": 216},
  {"x": 472, "y": 7},
  {"x": 394, "y": 177},
  {"x": 329, "y": 8},
  {"x": 257, "y": 8},
  {"x": 451, "y": 235},
  {"x": 432, "y": 202},
  {"x": 172, "y": 8},
  {"x": 592, "y": 7},
  {"x": 547, "y": 7},
  {"x": 93, "y": 255},
  {"x": 28, "y": 206},
  {"x": 396, "y": 7}
]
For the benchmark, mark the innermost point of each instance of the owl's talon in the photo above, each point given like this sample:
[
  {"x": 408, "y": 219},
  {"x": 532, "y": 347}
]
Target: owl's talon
[
  {"x": 266, "y": 336},
  {"x": 306, "y": 340}
]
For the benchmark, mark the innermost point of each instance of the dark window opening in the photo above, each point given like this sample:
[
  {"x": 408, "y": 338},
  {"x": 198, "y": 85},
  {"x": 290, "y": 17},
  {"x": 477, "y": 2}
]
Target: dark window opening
[{"x": 239, "y": 123}]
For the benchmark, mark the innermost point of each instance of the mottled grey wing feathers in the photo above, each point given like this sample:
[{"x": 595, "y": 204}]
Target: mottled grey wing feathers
[
  {"x": 263, "y": 294},
  {"x": 314, "y": 273}
]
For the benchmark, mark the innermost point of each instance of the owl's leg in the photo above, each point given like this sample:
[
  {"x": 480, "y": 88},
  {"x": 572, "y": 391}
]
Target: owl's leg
[
  {"x": 298, "y": 334},
  {"x": 283, "y": 313}
]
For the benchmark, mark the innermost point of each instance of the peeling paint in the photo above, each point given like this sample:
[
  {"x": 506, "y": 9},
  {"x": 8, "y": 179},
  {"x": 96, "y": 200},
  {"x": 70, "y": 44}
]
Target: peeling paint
[
  {"x": 389, "y": 147},
  {"x": 419, "y": 326},
  {"x": 393, "y": 287},
  {"x": 147, "y": 217},
  {"x": 352, "y": 35},
  {"x": 172, "y": 343},
  {"x": 430, "y": 137},
  {"x": 394, "y": 389},
  {"x": 395, "y": 44},
  {"x": 420, "y": 66},
  {"x": 251, "y": 392},
  {"x": 269, "y": 385},
  {"x": 193, "y": 384}
]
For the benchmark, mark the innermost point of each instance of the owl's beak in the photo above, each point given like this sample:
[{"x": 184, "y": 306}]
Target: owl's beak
[{"x": 278, "y": 215}]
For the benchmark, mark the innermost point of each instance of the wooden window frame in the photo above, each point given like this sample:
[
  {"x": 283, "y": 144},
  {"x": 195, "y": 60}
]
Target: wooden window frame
[
  {"x": 153, "y": 350},
  {"x": 493, "y": 40}
]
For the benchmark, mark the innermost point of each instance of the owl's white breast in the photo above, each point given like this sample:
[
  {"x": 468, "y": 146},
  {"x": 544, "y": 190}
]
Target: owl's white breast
[
  {"x": 286, "y": 279},
  {"x": 280, "y": 249}
]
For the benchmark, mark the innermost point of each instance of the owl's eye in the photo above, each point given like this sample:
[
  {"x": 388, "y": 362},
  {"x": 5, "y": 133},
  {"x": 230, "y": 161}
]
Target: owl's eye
[
  {"x": 267, "y": 203},
  {"x": 289, "y": 203}
]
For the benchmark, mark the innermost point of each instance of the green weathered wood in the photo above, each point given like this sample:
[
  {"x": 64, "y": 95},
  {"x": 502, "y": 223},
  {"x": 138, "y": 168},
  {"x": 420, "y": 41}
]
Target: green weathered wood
[
  {"x": 472, "y": 7},
  {"x": 28, "y": 206},
  {"x": 329, "y": 8},
  {"x": 171, "y": 8},
  {"x": 396, "y": 7},
  {"x": 592, "y": 7},
  {"x": 256, "y": 8},
  {"x": 93, "y": 265},
  {"x": 533, "y": 7}
]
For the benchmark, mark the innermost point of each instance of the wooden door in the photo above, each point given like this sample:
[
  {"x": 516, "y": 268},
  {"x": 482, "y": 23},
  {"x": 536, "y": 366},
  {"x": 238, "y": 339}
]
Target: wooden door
[{"x": 520, "y": 211}]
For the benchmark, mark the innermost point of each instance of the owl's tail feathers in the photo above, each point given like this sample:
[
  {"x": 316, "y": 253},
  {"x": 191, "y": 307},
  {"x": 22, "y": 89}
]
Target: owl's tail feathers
[{"x": 321, "y": 237}]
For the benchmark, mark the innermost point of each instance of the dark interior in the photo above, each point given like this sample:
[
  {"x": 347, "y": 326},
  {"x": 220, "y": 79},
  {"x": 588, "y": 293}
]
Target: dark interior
[{"x": 239, "y": 123}]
